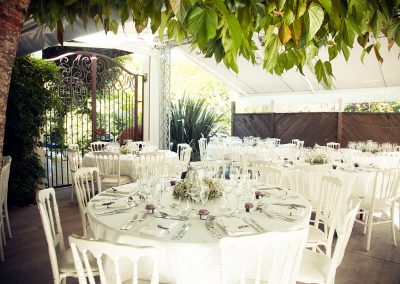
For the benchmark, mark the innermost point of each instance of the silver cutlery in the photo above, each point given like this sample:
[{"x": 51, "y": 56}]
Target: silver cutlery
[
  {"x": 182, "y": 232},
  {"x": 279, "y": 216},
  {"x": 141, "y": 219},
  {"x": 258, "y": 225},
  {"x": 161, "y": 214},
  {"x": 130, "y": 224},
  {"x": 258, "y": 230},
  {"x": 116, "y": 211},
  {"x": 290, "y": 205},
  {"x": 210, "y": 227}
]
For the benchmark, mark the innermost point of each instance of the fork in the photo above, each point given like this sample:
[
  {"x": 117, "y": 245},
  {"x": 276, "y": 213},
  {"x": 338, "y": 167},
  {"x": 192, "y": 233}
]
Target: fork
[
  {"x": 129, "y": 225},
  {"x": 279, "y": 216}
]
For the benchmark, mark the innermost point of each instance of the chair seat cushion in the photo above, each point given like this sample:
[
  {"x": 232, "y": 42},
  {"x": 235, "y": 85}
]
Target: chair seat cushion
[
  {"x": 380, "y": 204},
  {"x": 314, "y": 267},
  {"x": 315, "y": 235},
  {"x": 114, "y": 180}
]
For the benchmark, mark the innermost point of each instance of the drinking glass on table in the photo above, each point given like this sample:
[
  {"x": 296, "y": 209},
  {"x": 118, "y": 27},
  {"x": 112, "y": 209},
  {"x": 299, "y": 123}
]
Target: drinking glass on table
[{"x": 204, "y": 194}]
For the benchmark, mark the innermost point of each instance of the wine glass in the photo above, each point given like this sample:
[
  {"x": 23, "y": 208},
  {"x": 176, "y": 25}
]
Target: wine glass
[{"x": 204, "y": 194}]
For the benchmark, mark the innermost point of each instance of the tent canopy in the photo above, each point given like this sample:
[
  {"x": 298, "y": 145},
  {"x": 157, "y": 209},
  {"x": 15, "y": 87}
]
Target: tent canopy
[{"x": 354, "y": 81}]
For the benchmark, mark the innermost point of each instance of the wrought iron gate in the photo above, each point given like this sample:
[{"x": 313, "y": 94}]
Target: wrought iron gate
[{"x": 98, "y": 100}]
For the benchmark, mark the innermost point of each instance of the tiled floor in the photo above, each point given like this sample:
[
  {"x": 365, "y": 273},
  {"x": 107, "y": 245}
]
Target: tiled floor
[{"x": 27, "y": 259}]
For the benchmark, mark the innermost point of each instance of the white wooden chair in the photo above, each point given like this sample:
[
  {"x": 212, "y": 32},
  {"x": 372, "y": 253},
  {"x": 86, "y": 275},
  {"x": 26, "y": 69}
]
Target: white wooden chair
[
  {"x": 180, "y": 147},
  {"x": 153, "y": 155},
  {"x": 109, "y": 166},
  {"x": 74, "y": 163},
  {"x": 98, "y": 146},
  {"x": 136, "y": 145},
  {"x": 184, "y": 160},
  {"x": 268, "y": 175},
  {"x": 7, "y": 160},
  {"x": 203, "y": 148},
  {"x": 86, "y": 188},
  {"x": 62, "y": 264},
  {"x": 333, "y": 145},
  {"x": 321, "y": 269},
  {"x": 83, "y": 249},
  {"x": 276, "y": 257},
  {"x": 385, "y": 193},
  {"x": 331, "y": 201}
]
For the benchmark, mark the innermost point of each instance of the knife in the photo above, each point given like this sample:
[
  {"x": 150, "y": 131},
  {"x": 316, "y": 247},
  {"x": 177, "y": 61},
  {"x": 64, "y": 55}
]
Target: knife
[
  {"x": 117, "y": 211},
  {"x": 258, "y": 230},
  {"x": 258, "y": 225},
  {"x": 290, "y": 205}
]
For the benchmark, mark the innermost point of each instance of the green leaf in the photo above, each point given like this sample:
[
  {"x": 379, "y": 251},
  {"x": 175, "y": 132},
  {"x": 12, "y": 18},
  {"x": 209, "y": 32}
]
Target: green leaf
[
  {"x": 288, "y": 17},
  {"x": 333, "y": 52},
  {"x": 124, "y": 14},
  {"x": 376, "y": 23},
  {"x": 280, "y": 4},
  {"x": 176, "y": 31},
  {"x": 235, "y": 31},
  {"x": 312, "y": 51},
  {"x": 313, "y": 20},
  {"x": 271, "y": 49},
  {"x": 301, "y": 9},
  {"x": 183, "y": 10},
  {"x": 394, "y": 31},
  {"x": 346, "y": 52},
  {"x": 285, "y": 34},
  {"x": 203, "y": 25},
  {"x": 365, "y": 51},
  {"x": 323, "y": 70},
  {"x": 297, "y": 31},
  {"x": 162, "y": 27},
  {"x": 114, "y": 26},
  {"x": 327, "y": 4}
]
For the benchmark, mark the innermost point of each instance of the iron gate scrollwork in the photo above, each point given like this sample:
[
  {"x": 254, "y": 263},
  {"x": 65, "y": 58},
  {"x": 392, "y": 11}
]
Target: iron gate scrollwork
[{"x": 98, "y": 100}]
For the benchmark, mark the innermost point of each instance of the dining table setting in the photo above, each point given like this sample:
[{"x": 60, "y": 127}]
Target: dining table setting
[{"x": 185, "y": 219}]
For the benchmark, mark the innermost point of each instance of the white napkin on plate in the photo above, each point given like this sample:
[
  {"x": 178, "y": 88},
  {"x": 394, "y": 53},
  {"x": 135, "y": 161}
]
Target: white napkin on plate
[
  {"x": 116, "y": 204},
  {"x": 153, "y": 228},
  {"x": 128, "y": 189},
  {"x": 285, "y": 210},
  {"x": 235, "y": 226}
]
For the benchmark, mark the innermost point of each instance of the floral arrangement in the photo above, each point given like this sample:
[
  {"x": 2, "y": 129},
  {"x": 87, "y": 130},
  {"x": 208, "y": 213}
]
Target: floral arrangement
[
  {"x": 124, "y": 150},
  {"x": 181, "y": 188},
  {"x": 318, "y": 158}
]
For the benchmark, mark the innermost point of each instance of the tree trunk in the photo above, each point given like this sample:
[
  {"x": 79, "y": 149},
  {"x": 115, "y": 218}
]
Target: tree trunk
[{"x": 12, "y": 16}]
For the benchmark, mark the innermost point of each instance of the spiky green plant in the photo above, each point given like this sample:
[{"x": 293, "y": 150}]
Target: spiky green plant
[{"x": 192, "y": 119}]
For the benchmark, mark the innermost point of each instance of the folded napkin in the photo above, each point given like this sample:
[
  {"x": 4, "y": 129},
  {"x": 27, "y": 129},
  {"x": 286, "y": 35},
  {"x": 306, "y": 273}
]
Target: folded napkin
[
  {"x": 112, "y": 204},
  {"x": 158, "y": 227},
  {"x": 128, "y": 189},
  {"x": 285, "y": 210},
  {"x": 235, "y": 226}
]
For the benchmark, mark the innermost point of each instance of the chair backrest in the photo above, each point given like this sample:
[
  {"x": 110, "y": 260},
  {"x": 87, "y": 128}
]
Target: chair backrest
[
  {"x": 268, "y": 175},
  {"x": 307, "y": 182},
  {"x": 185, "y": 157},
  {"x": 180, "y": 147},
  {"x": 333, "y": 145},
  {"x": 83, "y": 249},
  {"x": 276, "y": 257},
  {"x": 108, "y": 164},
  {"x": 74, "y": 159},
  {"x": 87, "y": 185},
  {"x": 48, "y": 209},
  {"x": 331, "y": 200},
  {"x": 7, "y": 160},
  {"x": 386, "y": 185},
  {"x": 203, "y": 148},
  {"x": 153, "y": 155},
  {"x": 4, "y": 177},
  {"x": 98, "y": 146},
  {"x": 343, "y": 235}
]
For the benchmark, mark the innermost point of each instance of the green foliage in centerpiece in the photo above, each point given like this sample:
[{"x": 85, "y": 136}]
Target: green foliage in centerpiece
[{"x": 181, "y": 189}]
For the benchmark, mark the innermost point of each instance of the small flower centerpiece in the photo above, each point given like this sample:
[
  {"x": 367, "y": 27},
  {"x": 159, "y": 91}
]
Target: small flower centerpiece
[
  {"x": 124, "y": 150},
  {"x": 182, "y": 188},
  {"x": 318, "y": 158},
  {"x": 248, "y": 206},
  {"x": 203, "y": 213}
]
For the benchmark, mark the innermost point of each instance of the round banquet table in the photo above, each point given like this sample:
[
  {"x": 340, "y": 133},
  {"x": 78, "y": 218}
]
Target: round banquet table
[
  {"x": 194, "y": 258},
  {"x": 127, "y": 161}
]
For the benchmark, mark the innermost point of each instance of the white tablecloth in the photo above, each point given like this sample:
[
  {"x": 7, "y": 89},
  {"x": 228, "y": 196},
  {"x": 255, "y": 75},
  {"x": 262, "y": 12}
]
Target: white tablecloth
[
  {"x": 128, "y": 160},
  {"x": 195, "y": 258}
]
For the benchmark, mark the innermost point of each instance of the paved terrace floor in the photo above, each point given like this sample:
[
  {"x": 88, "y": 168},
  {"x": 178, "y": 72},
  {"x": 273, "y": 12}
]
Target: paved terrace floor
[{"x": 27, "y": 259}]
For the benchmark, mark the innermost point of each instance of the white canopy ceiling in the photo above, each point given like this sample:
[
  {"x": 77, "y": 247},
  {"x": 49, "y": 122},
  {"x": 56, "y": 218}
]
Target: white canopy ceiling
[{"x": 354, "y": 81}]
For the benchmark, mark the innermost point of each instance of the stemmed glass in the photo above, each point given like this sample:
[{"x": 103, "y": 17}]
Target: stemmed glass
[{"x": 204, "y": 194}]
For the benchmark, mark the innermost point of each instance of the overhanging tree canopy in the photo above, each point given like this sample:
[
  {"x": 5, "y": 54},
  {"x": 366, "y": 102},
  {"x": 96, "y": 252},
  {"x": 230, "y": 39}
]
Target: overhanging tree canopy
[{"x": 289, "y": 34}]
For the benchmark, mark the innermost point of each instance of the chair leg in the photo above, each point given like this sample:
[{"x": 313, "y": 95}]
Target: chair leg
[
  {"x": 7, "y": 220},
  {"x": 72, "y": 191},
  {"x": 1, "y": 249},
  {"x": 393, "y": 226},
  {"x": 370, "y": 219},
  {"x": 366, "y": 220},
  {"x": 3, "y": 234}
]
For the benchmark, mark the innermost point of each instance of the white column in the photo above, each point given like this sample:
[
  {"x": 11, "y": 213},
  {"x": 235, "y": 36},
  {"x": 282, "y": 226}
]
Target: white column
[{"x": 153, "y": 100}]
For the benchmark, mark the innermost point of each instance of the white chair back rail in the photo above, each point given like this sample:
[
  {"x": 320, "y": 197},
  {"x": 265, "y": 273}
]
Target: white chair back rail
[
  {"x": 48, "y": 209},
  {"x": 277, "y": 257},
  {"x": 108, "y": 163},
  {"x": 268, "y": 175},
  {"x": 87, "y": 185},
  {"x": 203, "y": 148},
  {"x": 74, "y": 159},
  {"x": 83, "y": 249},
  {"x": 98, "y": 146},
  {"x": 5, "y": 176},
  {"x": 185, "y": 156},
  {"x": 180, "y": 147}
]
